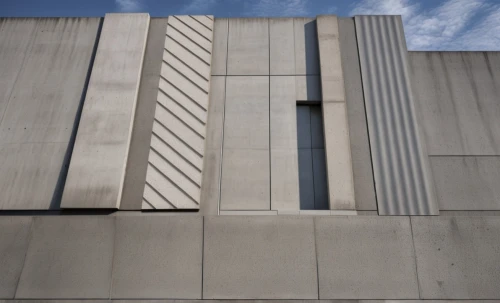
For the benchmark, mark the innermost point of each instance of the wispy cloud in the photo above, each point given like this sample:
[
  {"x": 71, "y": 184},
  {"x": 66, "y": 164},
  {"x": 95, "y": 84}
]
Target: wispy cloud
[
  {"x": 199, "y": 7},
  {"x": 277, "y": 8},
  {"x": 129, "y": 5},
  {"x": 451, "y": 25}
]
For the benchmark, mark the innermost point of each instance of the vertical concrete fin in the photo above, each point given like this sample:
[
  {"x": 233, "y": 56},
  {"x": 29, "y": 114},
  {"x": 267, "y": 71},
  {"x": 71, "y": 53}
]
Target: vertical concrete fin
[
  {"x": 97, "y": 169},
  {"x": 400, "y": 165},
  {"x": 175, "y": 164},
  {"x": 336, "y": 130}
]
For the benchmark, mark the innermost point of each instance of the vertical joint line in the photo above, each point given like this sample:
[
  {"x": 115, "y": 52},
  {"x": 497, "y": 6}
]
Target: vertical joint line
[
  {"x": 415, "y": 256},
  {"x": 316, "y": 254},
  {"x": 269, "y": 103}
]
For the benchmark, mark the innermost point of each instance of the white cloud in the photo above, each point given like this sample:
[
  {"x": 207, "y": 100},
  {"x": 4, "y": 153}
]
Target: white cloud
[
  {"x": 129, "y": 5},
  {"x": 198, "y": 7},
  {"x": 276, "y": 8},
  {"x": 451, "y": 25}
]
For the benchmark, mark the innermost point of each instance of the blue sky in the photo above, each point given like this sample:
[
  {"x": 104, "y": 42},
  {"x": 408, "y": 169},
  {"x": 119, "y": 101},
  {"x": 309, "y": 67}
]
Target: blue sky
[{"x": 429, "y": 24}]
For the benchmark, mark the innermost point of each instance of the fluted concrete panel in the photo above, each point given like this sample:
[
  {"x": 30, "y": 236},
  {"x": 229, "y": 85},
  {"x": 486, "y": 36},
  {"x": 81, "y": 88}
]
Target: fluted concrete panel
[
  {"x": 401, "y": 168},
  {"x": 97, "y": 169},
  {"x": 175, "y": 165}
]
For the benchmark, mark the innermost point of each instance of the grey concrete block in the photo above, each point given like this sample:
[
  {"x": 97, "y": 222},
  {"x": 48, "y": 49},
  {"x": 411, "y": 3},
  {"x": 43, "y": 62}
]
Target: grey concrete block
[
  {"x": 248, "y": 46},
  {"x": 467, "y": 183},
  {"x": 306, "y": 46},
  {"x": 308, "y": 88},
  {"x": 245, "y": 183},
  {"x": 68, "y": 257},
  {"x": 366, "y": 257},
  {"x": 306, "y": 179},
  {"x": 219, "y": 52},
  {"x": 158, "y": 258},
  {"x": 282, "y": 46},
  {"x": 304, "y": 127},
  {"x": 14, "y": 240},
  {"x": 458, "y": 257},
  {"x": 317, "y": 137},
  {"x": 320, "y": 179},
  {"x": 276, "y": 255}
]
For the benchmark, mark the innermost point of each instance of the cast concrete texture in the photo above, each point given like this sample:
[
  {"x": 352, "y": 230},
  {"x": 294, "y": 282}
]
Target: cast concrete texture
[
  {"x": 281, "y": 46},
  {"x": 467, "y": 183},
  {"x": 14, "y": 235},
  {"x": 458, "y": 257},
  {"x": 97, "y": 170},
  {"x": 135, "y": 174},
  {"x": 337, "y": 145},
  {"x": 358, "y": 130},
  {"x": 219, "y": 55},
  {"x": 306, "y": 46},
  {"x": 457, "y": 95},
  {"x": 248, "y": 46},
  {"x": 45, "y": 64},
  {"x": 400, "y": 165},
  {"x": 158, "y": 258},
  {"x": 172, "y": 180},
  {"x": 259, "y": 258},
  {"x": 366, "y": 257},
  {"x": 68, "y": 257}
]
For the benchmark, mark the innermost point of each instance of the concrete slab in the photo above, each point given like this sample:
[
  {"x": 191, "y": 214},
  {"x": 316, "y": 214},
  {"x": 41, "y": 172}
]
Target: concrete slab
[
  {"x": 457, "y": 257},
  {"x": 306, "y": 179},
  {"x": 467, "y": 183},
  {"x": 245, "y": 183},
  {"x": 14, "y": 235},
  {"x": 366, "y": 257},
  {"x": 247, "y": 112},
  {"x": 282, "y": 46},
  {"x": 259, "y": 247},
  {"x": 317, "y": 137},
  {"x": 306, "y": 46},
  {"x": 219, "y": 53},
  {"x": 248, "y": 46},
  {"x": 285, "y": 179},
  {"x": 283, "y": 113},
  {"x": 358, "y": 130},
  {"x": 150, "y": 254},
  {"x": 304, "y": 127},
  {"x": 308, "y": 88},
  {"x": 320, "y": 179},
  {"x": 97, "y": 169},
  {"x": 68, "y": 257}
]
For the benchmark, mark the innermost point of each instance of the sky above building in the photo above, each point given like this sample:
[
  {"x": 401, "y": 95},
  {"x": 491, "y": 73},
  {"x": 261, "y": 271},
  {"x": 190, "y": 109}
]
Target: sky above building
[{"x": 429, "y": 24}]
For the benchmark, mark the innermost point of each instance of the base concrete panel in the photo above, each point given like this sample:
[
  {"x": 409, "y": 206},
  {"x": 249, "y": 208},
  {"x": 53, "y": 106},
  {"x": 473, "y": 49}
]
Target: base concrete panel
[
  {"x": 366, "y": 257},
  {"x": 458, "y": 257},
  {"x": 259, "y": 258},
  {"x": 68, "y": 257},
  {"x": 158, "y": 258}
]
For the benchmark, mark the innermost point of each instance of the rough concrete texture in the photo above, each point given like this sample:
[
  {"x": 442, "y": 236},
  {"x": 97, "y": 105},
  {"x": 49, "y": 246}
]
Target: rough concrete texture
[
  {"x": 259, "y": 258},
  {"x": 458, "y": 257},
  {"x": 366, "y": 257},
  {"x": 14, "y": 235},
  {"x": 281, "y": 46},
  {"x": 457, "y": 95},
  {"x": 158, "y": 258},
  {"x": 97, "y": 169},
  {"x": 68, "y": 257},
  {"x": 44, "y": 64},
  {"x": 467, "y": 183}
]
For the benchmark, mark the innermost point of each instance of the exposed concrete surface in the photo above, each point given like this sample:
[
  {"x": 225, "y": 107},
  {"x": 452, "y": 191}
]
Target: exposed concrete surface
[
  {"x": 44, "y": 64},
  {"x": 245, "y": 257},
  {"x": 457, "y": 95},
  {"x": 68, "y": 257},
  {"x": 158, "y": 258},
  {"x": 458, "y": 257},
  {"x": 219, "y": 54},
  {"x": 306, "y": 46},
  {"x": 308, "y": 88},
  {"x": 365, "y": 257},
  {"x": 281, "y": 46},
  {"x": 97, "y": 169}
]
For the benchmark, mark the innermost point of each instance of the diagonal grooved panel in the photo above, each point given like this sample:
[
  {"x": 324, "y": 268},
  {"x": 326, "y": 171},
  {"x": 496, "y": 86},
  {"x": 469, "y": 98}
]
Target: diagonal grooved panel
[{"x": 174, "y": 174}]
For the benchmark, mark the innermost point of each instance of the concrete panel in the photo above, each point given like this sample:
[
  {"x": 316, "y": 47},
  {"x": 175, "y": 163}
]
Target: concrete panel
[
  {"x": 285, "y": 188},
  {"x": 458, "y": 257},
  {"x": 306, "y": 179},
  {"x": 14, "y": 235},
  {"x": 400, "y": 165},
  {"x": 308, "y": 88},
  {"x": 319, "y": 177},
  {"x": 457, "y": 95},
  {"x": 360, "y": 147},
  {"x": 40, "y": 100},
  {"x": 150, "y": 254},
  {"x": 135, "y": 175},
  {"x": 304, "y": 127},
  {"x": 306, "y": 47},
  {"x": 276, "y": 255},
  {"x": 282, "y": 46},
  {"x": 248, "y": 46},
  {"x": 247, "y": 113},
  {"x": 317, "y": 137},
  {"x": 219, "y": 54},
  {"x": 68, "y": 257},
  {"x": 97, "y": 169},
  {"x": 245, "y": 183},
  {"x": 365, "y": 257},
  {"x": 338, "y": 157},
  {"x": 467, "y": 183}
]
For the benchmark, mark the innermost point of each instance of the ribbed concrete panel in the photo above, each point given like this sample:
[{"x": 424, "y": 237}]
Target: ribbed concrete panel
[
  {"x": 97, "y": 169},
  {"x": 175, "y": 164},
  {"x": 401, "y": 168}
]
